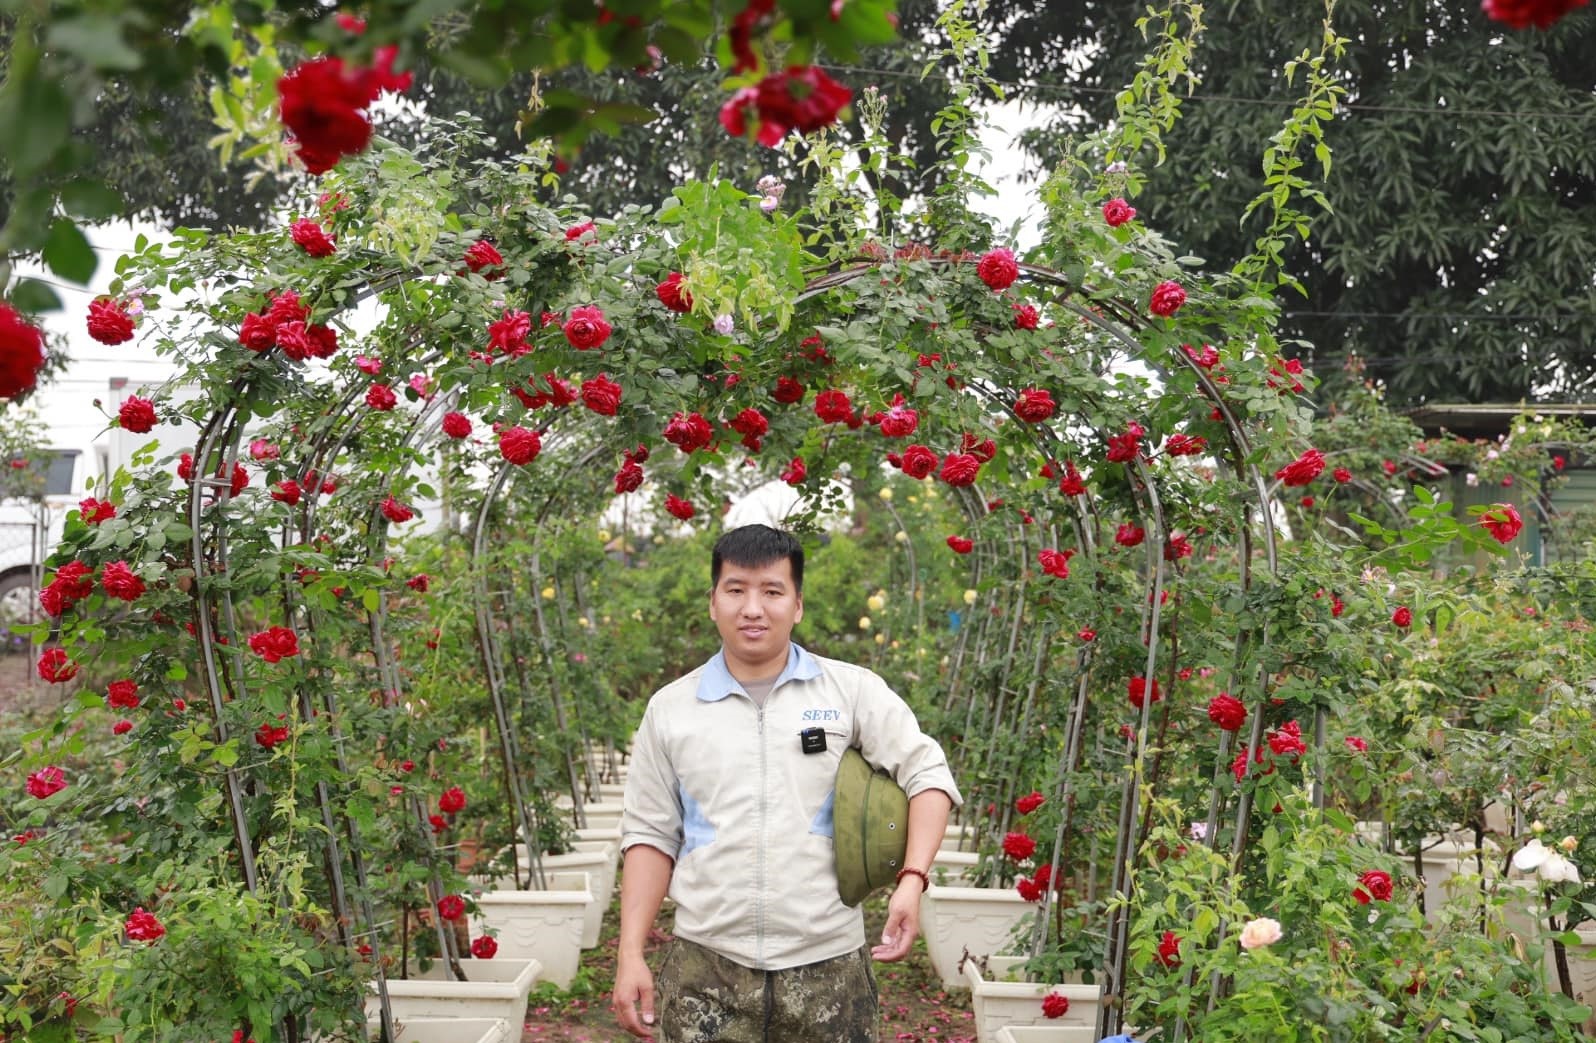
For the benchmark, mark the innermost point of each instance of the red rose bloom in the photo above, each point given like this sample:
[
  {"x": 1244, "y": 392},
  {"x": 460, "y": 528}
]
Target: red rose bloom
[
  {"x": 109, "y": 322},
  {"x": 1302, "y": 470},
  {"x": 285, "y": 307},
  {"x": 395, "y": 511},
  {"x": 959, "y": 469},
  {"x": 451, "y": 907},
  {"x": 137, "y": 414},
  {"x": 1128, "y": 535},
  {"x": 269, "y": 735},
  {"x": 519, "y": 445},
  {"x": 121, "y": 727},
  {"x": 1169, "y": 950},
  {"x": 21, "y": 353},
  {"x": 143, "y": 927},
  {"x": 997, "y": 268},
  {"x": 1116, "y": 212},
  {"x": 286, "y": 491},
  {"x": 46, "y": 782},
  {"x": 801, "y": 98},
  {"x": 601, "y": 394},
  {"x": 1521, "y": 14},
  {"x": 689, "y": 432},
  {"x": 1026, "y": 317},
  {"x": 1054, "y": 563},
  {"x": 679, "y": 507},
  {"x": 899, "y": 421},
  {"x": 832, "y": 406},
  {"x": 1019, "y": 846},
  {"x": 419, "y": 583},
  {"x": 482, "y": 255},
  {"x": 1502, "y": 522},
  {"x": 1376, "y": 884},
  {"x": 1227, "y": 711},
  {"x": 1356, "y": 744},
  {"x": 456, "y": 425},
  {"x": 323, "y": 104},
  {"x": 1185, "y": 445},
  {"x": 671, "y": 294},
  {"x": 509, "y": 333},
  {"x": 120, "y": 582},
  {"x": 1402, "y": 617},
  {"x": 1029, "y": 803},
  {"x": 452, "y": 801},
  {"x": 483, "y": 947},
  {"x": 960, "y": 544},
  {"x": 919, "y": 461},
  {"x": 1035, "y": 405},
  {"x": 1028, "y": 889},
  {"x": 1287, "y": 741},
  {"x": 586, "y": 328},
  {"x": 93, "y": 511},
  {"x": 309, "y": 237},
  {"x": 258, "y": 332},
  {"x": 1341, "y": 475},
  {"x": 1167, "y": 299},
  {"x": 381, "y": 397},
  {"x": 274, "y": 644},
  {"x": 123, "y": 694},
  {"x": 1207, "y": 358},
  {"x": 1136, "y": 689},
  {"x": 788, "y": 391},
  {"x": 629, "y": 478},
  {"x": 795, "y": 472},
  {"x": 1124, "y": 447},
  {"x": 1055, "y": 1005},
  {"x": 752, "y": 425}
]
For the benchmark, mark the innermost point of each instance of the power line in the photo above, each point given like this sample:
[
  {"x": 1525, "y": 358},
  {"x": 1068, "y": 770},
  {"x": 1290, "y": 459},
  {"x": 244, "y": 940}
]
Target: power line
[{"x": 1232, "y": 99}]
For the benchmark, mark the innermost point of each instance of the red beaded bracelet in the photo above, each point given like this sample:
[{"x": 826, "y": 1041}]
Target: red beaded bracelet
[{"x": 925, "y": 881}]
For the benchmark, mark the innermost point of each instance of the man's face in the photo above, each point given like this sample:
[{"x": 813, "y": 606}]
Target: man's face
[{"x": 755, "y": 610}]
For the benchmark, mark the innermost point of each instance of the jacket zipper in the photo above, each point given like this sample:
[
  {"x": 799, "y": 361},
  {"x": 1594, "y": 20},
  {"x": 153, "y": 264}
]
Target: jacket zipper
[{"x": 759, "y": 869}]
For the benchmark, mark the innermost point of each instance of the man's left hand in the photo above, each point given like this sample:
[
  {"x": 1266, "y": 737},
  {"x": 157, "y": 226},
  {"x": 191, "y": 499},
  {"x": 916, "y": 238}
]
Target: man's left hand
[{"x": 903, "y": 922}]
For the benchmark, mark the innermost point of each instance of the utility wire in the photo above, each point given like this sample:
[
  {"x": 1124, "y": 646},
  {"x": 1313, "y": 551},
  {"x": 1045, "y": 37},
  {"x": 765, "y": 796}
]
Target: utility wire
[{"x": 1066, "y": 90}]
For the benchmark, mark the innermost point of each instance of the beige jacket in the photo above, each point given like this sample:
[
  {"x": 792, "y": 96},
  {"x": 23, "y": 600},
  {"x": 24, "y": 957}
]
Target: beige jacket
[{"x": 725, "y": 790}]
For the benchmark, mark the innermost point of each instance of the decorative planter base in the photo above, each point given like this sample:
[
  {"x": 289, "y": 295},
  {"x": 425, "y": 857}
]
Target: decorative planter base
[
  {"x": 1045, "y": 1034},
  {"x": 1017, "y": 1006},
  {"x": 598, "y": 862},
  {"x": 545, "y": 926},
  {"x": 980, "y": 920},
  {"x": 448, "y": 1030},
  {"x": 497, "y": 990}
]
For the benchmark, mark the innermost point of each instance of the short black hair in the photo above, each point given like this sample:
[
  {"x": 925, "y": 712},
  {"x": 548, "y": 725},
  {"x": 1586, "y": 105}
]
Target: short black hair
[{"x": 752, "y": 546}]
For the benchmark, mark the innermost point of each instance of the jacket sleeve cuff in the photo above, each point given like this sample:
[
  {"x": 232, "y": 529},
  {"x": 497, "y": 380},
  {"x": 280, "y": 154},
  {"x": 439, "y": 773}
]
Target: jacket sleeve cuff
[
  {"x": 937, "y": 779},
  {"x": 669, "y": 846}
]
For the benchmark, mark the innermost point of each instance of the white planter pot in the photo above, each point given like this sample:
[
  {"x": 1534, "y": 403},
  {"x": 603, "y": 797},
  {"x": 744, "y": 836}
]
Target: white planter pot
[
  {"x": 1581, "y": 965},
  {"x": 959, "y": 838},
  {"x": 597, "y": 860},
  {"x": 545, "y": 926},
  {"x": 447, "y": 1030},
  {"x": 980, "y": 920},
  {"x": 1045, "y": 1034},
  {"x": 956, "y": 867},
  {"x": 1014, "y": 1005},
  {"x": 497, "y": 990},
  {"x": 609, "y": 834}
]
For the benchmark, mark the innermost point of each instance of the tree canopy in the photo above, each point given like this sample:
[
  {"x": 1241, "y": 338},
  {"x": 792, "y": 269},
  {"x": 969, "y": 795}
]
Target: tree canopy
[{"x": 1457, "y": 261}]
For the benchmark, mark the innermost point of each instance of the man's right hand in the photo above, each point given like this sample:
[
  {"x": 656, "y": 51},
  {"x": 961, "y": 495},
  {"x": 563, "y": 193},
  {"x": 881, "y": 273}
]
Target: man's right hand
[{"x": 633, "y": 1001}]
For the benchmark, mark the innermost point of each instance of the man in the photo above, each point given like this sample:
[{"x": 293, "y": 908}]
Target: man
[{"x": 728, "y": 807}]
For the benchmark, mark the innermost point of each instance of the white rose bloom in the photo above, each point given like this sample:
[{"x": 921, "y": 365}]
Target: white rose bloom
[
  {"x": 1558, "y": 870},
  {"x": 1529, "y": 857},
  {"x": 1260, "y": 932}
]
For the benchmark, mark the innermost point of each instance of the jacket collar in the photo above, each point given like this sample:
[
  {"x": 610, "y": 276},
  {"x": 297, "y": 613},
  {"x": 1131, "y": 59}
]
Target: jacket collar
[{"x": 716, "y": 682}]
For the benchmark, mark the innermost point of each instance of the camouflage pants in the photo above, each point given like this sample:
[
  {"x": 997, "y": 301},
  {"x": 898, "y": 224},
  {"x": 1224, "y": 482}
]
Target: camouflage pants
[{"x": 704, "y": 997}]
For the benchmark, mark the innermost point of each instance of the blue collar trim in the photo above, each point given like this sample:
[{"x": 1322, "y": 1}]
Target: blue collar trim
[{"x": 716, "y": 682}]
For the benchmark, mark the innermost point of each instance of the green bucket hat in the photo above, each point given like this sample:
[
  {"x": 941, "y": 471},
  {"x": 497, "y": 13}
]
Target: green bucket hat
[{"x": 870, "y": 827}]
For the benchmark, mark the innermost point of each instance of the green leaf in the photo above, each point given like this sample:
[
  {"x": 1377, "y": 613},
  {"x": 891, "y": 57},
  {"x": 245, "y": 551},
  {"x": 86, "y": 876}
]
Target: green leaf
[
  {"x": 35, "y": 119},
  {"x": 31, "y": 295},
  {"x": 370, "y": 598},
  {"x": 68, "y": 253},
  {"x": 91, "y": 200},
  {"x": 96, "y": 40}
]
